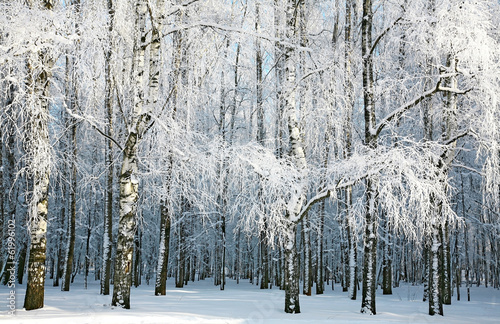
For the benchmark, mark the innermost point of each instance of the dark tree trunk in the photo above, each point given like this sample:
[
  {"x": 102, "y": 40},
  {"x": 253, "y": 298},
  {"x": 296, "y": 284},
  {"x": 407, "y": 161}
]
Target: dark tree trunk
[
  {"x": 387, "y": 260},
  {"x": 161, "y": 276},
  {"x": 108, "y": 216},
  {"x": 320, "y": 276},
  {"x": 291, "y": 271},
  {"x": 370, "y": 232},
  {"x": 70, "y": 249}
]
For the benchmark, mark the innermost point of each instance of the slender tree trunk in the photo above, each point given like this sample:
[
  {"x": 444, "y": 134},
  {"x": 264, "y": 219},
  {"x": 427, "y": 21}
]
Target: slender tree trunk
[
  {"x": 370, "y": 231},
  {"x": 447, "y": 275},
  {"x": 7, "y": 184},
  {"x": 387, "y": 260},
  {"x": 307, "y": 287},
  {"x": 137, "y": 258},
  {"x": 165, "y": 208},
  {"x": 320, "y": 276},
  {"x": 161, "y": 277},
  {"x": 70, "y": 250},
  {"x": 108, "y": 211},
  {"x": 298, "y": 155},
  {"x": 264, "y": 261},
  {"x": 370, "y": 251},
  {"x": 179, "y": 280},
  {"x": 129, "y": 181},
  {"x": 439, "y": 270},
  {"x": 279, "y": 62},
  {"x": 426, "y": 265},
  {"x": 353, "y": 247},
  {"x": 457, "y": 267},
  {"x": 435, "y": 300},
  {"x": 59, "y": 253},
  {"x": 87, "y": 246},
  {"x": 292, "y": 304},
  {"x": 72, "y": 97}
]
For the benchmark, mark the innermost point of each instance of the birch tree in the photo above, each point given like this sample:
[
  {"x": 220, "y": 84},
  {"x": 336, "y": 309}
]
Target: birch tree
[
  {"x": 297, "y": 154},
  {"x": 108, "y": 102},
  {"x": 37, "y": 147},
  {"x": 128, "y": 179}
]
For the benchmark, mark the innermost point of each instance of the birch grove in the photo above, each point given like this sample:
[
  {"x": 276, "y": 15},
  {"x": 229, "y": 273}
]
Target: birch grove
[{"x": 287, "y": 143}]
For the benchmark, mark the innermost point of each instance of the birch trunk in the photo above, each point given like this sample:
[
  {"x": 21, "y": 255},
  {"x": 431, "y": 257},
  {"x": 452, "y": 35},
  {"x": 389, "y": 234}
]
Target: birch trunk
[
  {"x": 447, "y": 283},
  {"x": 154, "y": 85},
  {"x": 38, "y": 134},
  {"x": 220, "y": 278},
  {"x": 70, "y": 249},
  {"x": 279, "y": 75},
  {"x": 179, "y": 279},
  {"x": 435, "y": 300},
  {"x": 349, "y": 88},
  {"x": 7, "y": 172},
  {"x": 264, "y": 254},
  {"x": 320, "y": 276},
  {"x": 307, "y": 287},
  {"x": 161, "y": 276},
  {"x": 291, "y": 278},
  {"x": 38, "y": 150},
  {"x": 71, "y": 97},
  {"x": 129, "y": 182},
  {"x": 387, "y": 259},
  {"x": 298, "y": 195},
  {"x": 108, "y": 216},
  {"x": 371, "y": 224},
  {"x": 353, "y": 247},
  {"x": 137, "y": 258}
]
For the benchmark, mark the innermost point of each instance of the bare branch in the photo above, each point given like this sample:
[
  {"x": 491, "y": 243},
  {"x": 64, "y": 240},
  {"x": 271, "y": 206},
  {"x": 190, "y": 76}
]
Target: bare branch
[
  {"x": 457, "y": 137},
  {"x": 237, "y": 30},
  {"x": 468, "y": 169},
  {"x": 383, "y": 34},
  {"x": 457, "y": 91},
  {"x": 120, "y": 107},
  {"x": 401, "y": 110},
  {"x": 94, "y": 126},
  {"x": 178, "y": 7},
  {"x": 328, "y": 192}
]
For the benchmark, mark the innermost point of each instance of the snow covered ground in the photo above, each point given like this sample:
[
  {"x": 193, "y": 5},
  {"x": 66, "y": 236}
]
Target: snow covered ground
[{"x": 202, "y": 302}]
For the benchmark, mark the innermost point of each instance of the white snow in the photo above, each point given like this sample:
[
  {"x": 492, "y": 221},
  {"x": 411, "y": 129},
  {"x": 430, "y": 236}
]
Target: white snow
[{"x": 202, "y": 302}]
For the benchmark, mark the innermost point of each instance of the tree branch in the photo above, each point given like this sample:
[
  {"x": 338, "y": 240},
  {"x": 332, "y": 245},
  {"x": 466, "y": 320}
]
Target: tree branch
[
  {"x": 94, "y": 126},
  {"x": 468, "y": 169},
  {"x": 327, "y": 192},
  {"x": 457, "y": 137},
  {"x": 383, "y": 34},
  {"x": 237, "y": 30},
  {"x": 457, "y": 91},
  {"x": 401, "y": 110},
  {"x": 120, "y": 107},
  {"x": 177, "y": 8}
]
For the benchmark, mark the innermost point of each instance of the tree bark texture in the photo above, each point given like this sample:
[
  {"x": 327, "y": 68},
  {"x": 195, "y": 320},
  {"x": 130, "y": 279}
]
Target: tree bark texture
[{"x": 38, "y": 150}]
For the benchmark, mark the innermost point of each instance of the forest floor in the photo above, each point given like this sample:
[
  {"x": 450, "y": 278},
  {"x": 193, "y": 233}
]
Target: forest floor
[{"x": 202, "y": 302}]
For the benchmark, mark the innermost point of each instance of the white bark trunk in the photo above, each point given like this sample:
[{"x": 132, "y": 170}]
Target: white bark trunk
[
  {"x": 37, "y": 146},
  {"x": 129, "y": 181},
  {"x": 108, "y": 217},
  {"x": 298, "y": 194}
]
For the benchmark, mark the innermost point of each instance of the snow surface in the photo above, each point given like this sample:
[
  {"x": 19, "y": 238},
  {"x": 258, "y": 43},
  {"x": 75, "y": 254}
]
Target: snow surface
[{"x": 202, "y": 302}]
